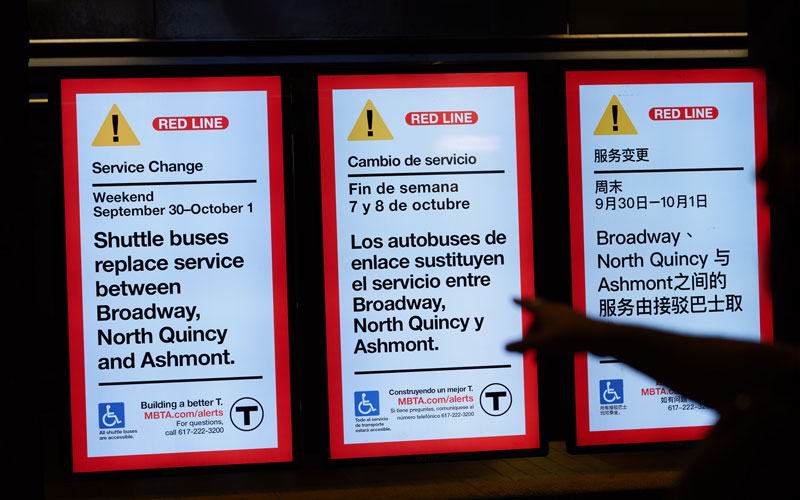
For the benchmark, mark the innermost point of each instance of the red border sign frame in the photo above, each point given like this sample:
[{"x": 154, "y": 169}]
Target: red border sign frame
[
  {"x": 327, "y": 84},
  {"x": 69, "y": 90},
  {"x": 574, "y": 79}
]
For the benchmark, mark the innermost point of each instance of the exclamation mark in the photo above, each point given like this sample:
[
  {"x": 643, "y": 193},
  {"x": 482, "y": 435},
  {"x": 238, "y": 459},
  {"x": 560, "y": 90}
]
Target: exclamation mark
[
  {"x": 115, "y": 125},
  {"x": 369, "y": 123},
  {"x": 614, "y": 117}
]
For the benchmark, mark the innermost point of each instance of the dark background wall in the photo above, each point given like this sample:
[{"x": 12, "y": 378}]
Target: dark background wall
[
  {"x": 303, "y": 38},
  {"x": 365, "y": 19}
]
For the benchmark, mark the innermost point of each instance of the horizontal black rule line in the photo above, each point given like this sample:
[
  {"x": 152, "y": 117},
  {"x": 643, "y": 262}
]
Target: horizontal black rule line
[
  {"x": 662, "y": 170},
  {"x": 404, "y": 174},
  {"x": 174, "y": 183},
  {"x": 440, "y": 369},
  {"x": 181, "y": 380},
  {"x": 610, "y": 361}
]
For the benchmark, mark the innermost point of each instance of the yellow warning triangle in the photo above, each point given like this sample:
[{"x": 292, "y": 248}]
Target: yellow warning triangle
[
  {"x": 615, "y": 120},
  {"x": 115, "y": 131},
  {"x": 370, "y": 126}
]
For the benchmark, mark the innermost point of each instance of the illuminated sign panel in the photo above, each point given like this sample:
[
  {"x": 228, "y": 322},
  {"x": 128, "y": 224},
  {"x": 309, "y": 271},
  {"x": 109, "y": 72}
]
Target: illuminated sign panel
[
  {"x": 427, "y": 237},
  {"x": 669, "y": 230},
  {"x": 176, "y": 272}
]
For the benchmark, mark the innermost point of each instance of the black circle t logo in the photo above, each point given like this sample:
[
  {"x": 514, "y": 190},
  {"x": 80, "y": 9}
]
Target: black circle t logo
[
  {"x": 246, "y": 414},
  {"x": 495, "y": 399}
]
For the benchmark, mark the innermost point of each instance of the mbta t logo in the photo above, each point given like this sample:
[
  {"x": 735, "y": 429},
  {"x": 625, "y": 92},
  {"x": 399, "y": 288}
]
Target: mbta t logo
[
  {"x": 495, "y": 399},
  {"x": 246, "y": 414}
]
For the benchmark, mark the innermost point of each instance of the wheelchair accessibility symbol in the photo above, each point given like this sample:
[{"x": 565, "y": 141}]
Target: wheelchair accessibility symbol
[
  {"x": 367, "y": 403},
  {"x": 111, "y": 415},
  {"x": 611, "y": 392}
]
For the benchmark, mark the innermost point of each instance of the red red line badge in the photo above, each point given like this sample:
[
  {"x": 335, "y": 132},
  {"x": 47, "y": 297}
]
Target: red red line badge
[
  {"x": 442, "y": 118},
  {"x": 190, "y": 123},
  {"x": 684, "y": 113}
]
